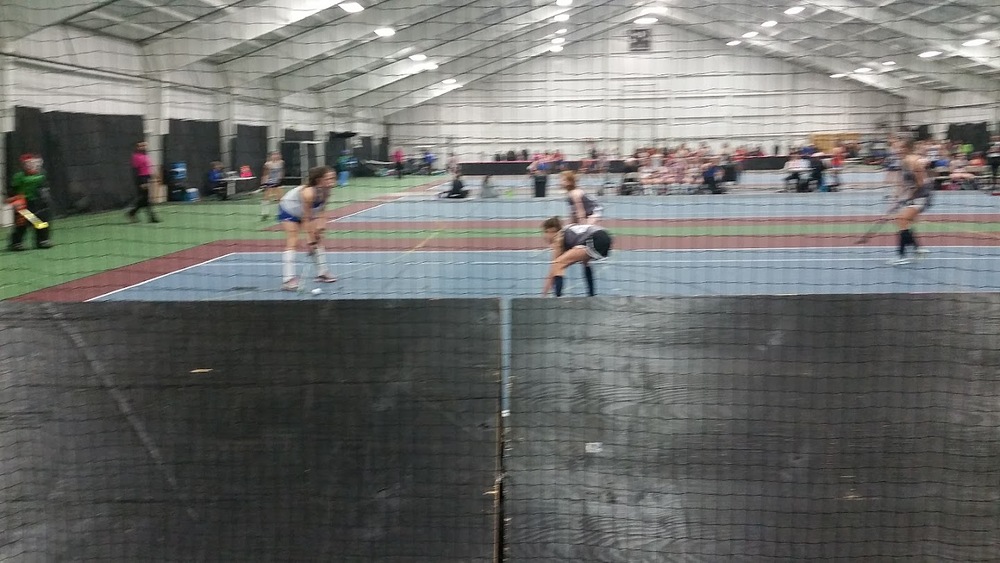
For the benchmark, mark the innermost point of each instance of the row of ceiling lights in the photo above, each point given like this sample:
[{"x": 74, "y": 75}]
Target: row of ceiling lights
[{"x": 794, "y": 10}]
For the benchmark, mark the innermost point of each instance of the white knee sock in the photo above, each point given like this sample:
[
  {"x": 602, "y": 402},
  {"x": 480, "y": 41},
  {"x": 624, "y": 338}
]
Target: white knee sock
[
  {"x": 288, "y": 265},
  {"x": 319, "y": 258},
  {"x": 263, "y": 206}
]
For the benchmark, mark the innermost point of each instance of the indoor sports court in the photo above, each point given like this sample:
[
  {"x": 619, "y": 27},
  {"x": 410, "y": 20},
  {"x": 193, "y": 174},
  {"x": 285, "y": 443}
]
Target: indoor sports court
[{"x": 790, "y": 353}]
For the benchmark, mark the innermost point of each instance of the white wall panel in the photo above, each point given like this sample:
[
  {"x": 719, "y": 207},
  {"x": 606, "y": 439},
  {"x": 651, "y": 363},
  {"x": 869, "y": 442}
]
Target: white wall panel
[
  {"x": 690, "y": 88},
  {"x": 191, "y": 104},
  {"x": 76, "y": 47},
  {"x": 55, "y": 90}
]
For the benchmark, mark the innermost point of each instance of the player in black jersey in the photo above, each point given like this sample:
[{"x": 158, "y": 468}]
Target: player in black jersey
[
  {"x": 583, "y": 209},
  {"x": 570, "y": 245},
  {"x": 913, "y": 197}
]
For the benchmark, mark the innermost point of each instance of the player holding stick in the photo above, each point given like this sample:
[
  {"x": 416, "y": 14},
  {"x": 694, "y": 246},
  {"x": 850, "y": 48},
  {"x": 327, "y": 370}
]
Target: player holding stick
[
  {"x": 30, "y": 199},
  {"x": 913, "y": 197},
  {"x": 570, "y": 245},
  {"x": 300, "y": 210}
]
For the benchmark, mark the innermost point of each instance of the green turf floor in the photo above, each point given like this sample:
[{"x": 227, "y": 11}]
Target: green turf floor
[{"x": 90, "y": 244}]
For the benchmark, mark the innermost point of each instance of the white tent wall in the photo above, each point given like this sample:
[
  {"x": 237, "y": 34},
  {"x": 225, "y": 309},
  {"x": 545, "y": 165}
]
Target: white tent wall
[
  {"x": 688, "y": 89},
  {"x": 957, "y": 107},
  {"x": 63, "y": 68}
]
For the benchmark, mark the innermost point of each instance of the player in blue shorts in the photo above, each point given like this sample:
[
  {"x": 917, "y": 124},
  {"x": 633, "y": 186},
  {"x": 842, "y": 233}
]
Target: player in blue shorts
[
  {"x": 301, "y": 210},
  {"x": 570, "y": 245}
]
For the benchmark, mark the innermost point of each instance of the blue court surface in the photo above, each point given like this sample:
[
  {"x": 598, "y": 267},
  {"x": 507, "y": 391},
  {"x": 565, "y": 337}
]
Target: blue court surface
[
  {"x": 444, "y": 274},
  {"x": 425, "y": 207}
]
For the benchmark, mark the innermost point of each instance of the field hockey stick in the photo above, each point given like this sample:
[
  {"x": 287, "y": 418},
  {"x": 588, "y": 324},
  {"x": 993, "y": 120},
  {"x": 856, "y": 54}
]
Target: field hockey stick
[
  {"x": 874, "y": 229},
  {"x": 33, "y": 219}
]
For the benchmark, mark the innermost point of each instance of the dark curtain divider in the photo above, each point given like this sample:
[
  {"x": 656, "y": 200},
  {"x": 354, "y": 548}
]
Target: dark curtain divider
[
  {"x": 366, "y": 151},
  {"x": 195, "y": 143},
  {"x": 26, "y": 137},
  {"x": 922, "y": 133},
  {"x": 249, "y": 148},
  {"x": 293, "y": 135},
  {"x": 975, "y": 134},
  {"x": 383, "y": 150},
  {"x": 87, "y": 157},
  {"x": 334, "y": 146}
]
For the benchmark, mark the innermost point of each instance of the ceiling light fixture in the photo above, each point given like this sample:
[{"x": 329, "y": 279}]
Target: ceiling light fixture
[
  {"x": 563, "y": 3},
  {"x": 561, "y": 31},
  {"x": 838, "y": 75},
  {"x": 645, "y": 21},
  {"x": 794, "y": 10},
  {"x": 769, "y": 23},
  {"x": 734, "y": 43},
  {"x": 558, "y": 41},
  {"x": 448, "y": 81},
  {"x": 385, "y": 32},
  {"x": 430, "y": 66},
  {"x": 862, "y": 70},
  {"x": 418, "y": 57},
  {"x": 561, "y": 18},
  {"x": 889, "y": 63},
  {"x": 750, "y": 34},
  {"x": 351, "y": 7},
  {"x": 975, "y": 42},
  {"x": 929, "y": 54},
  {"x": 556, "y": 48}
]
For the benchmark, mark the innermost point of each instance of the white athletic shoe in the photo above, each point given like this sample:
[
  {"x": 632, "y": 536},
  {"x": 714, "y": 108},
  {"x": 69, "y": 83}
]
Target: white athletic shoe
[
  {"x": 922, "y": 252},
  {"x": 899, "y": 261}
]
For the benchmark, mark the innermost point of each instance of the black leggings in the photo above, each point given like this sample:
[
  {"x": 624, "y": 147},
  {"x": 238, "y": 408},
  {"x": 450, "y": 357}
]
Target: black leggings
[
  {"x": 994, "y": 169},
  {"x": 142, "y": 187},
  {"x": 41, "y": 209}
]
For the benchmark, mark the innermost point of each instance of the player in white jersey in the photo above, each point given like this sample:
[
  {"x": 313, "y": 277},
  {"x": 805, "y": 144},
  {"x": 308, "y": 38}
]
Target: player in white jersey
[
  {"x": 301, "y": 210},
  {"x": 570, "y": 245}
]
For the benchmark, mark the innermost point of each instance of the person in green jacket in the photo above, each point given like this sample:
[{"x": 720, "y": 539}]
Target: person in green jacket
[{"x": 30, "y": 190}]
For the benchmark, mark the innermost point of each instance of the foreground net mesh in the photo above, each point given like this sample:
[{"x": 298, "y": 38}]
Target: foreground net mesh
[
  {"x": 695, "y": 429},
  {"x": 687, "y": 414}
]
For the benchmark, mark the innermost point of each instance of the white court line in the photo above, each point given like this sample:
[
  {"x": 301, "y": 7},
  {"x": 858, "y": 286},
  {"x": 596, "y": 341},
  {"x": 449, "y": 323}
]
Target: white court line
[
  {"x": 356, "y": 212},
  {"x": 652, "y": 250},
  {"x": 629, "y": 262},
  {"x": 161, "y": 276}
]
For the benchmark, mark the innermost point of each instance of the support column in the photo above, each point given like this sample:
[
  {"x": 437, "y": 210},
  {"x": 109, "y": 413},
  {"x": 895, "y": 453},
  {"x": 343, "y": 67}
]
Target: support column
[
  {"x": 227, "y": 127},
  {"x": 157, "y": 121},
  {"x": 7, "y": 102}
]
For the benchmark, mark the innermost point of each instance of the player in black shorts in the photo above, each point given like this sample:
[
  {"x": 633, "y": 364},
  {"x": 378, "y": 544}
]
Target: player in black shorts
[
  {"x": 570, "y": 245},
  {"x": 913, "y": 198}
]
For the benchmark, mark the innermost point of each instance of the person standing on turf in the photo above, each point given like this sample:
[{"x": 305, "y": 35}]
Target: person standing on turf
[
  {"x": 29, "y": 191},
  {"x": 912, "y": 198},
  {"x": 301, "y": 211},
  {"x": 142, "y": 171},
  {"x": 583, "y": 209},
  {"x": 570, "y": 245},
  {"x": 271, "y": 176}
]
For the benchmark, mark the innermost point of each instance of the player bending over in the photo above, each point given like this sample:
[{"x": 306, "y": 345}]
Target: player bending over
[
  {"x": 301, "y": 210},
  {"x": 913, "y": 197},
  {"x": 572, "y": 244}
]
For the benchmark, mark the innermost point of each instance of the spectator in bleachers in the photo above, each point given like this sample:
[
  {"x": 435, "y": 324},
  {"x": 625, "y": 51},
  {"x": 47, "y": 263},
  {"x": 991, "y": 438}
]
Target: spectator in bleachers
[
  {"x": 795, "y": 166},
  {"x": 487, "y": 190},
  {"x": 457, "y": 191},
  {"x": 217, "y": 181},
  {"x": 993, "y": 160},
  {"x": 959, "y": 174}
]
